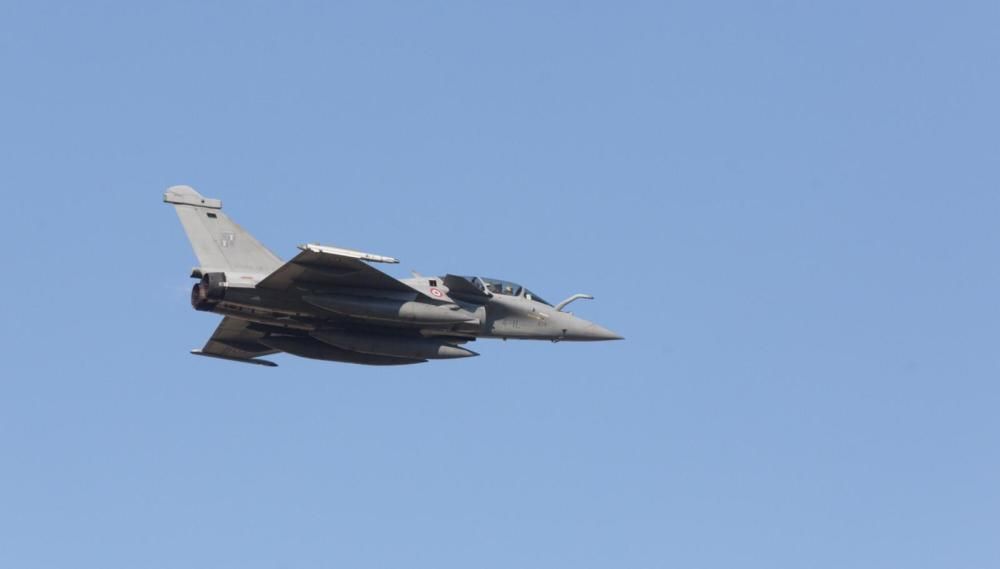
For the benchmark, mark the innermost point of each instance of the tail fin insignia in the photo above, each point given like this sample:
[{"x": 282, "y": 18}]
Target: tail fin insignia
[{"x": 220, "y": 244}]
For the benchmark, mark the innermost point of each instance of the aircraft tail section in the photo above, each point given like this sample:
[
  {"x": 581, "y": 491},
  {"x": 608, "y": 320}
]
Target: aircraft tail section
[{"x": 220, "y": 244}]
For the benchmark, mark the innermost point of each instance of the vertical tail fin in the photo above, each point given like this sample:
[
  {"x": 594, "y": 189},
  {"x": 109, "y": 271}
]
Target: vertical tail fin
[{"x": 220, "y": 244}]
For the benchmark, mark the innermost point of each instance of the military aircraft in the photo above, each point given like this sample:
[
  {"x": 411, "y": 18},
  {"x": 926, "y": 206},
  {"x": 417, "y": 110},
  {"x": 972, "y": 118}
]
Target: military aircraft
[{"x": 329, "y": 303}]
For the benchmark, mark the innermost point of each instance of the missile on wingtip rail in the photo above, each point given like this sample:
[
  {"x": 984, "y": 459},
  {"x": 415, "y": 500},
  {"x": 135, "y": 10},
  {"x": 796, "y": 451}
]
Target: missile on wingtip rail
[{"x": 348, "y": 253}]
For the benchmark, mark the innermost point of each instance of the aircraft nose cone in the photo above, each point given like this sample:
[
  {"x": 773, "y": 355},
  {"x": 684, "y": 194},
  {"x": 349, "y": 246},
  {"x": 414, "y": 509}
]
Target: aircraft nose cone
[{"x": 595, "y": 332}]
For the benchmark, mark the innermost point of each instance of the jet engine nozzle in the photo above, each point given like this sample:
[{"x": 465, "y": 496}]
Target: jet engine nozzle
[{"x": 207, "y": 292}]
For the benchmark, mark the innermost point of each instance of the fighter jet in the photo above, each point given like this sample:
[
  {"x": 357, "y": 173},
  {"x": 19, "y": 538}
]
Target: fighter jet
[{"x": 330, "y": 303}]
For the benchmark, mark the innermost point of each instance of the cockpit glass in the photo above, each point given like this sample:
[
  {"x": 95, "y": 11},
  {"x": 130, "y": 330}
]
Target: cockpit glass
[
  {"x": 532, "y": 296},
  {"x": 497, "y": 286}
]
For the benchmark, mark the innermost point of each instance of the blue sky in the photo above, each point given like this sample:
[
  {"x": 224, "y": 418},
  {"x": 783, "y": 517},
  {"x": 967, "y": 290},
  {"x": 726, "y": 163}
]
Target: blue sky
[{"x": 789, "y": 210}]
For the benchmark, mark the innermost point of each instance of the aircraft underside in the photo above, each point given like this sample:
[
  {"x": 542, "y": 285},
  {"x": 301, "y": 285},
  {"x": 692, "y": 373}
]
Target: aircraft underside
[{"x": 303, "y": 330}]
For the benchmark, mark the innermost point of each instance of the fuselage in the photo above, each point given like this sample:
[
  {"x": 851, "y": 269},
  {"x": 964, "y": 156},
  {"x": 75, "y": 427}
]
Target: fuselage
[
  {"x": 330, "y": 303},
  {"x": 431, "y": 311}
]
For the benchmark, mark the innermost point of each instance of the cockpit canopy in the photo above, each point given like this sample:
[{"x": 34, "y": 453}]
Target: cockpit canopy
[{"x": 497, "y": 286}]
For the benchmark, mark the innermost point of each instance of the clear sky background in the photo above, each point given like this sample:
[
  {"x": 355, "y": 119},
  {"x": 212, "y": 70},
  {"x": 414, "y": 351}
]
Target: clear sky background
[{"x": 789, "y": 209}]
